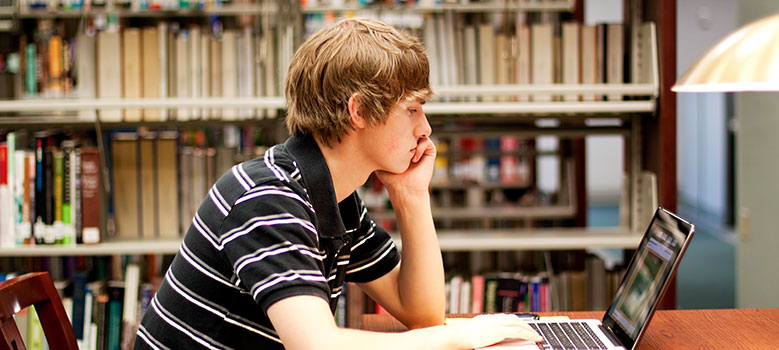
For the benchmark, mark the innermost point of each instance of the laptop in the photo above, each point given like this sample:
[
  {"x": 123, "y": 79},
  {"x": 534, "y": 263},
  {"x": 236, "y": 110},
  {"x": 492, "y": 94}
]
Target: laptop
[{"x": 653, "y": 264}]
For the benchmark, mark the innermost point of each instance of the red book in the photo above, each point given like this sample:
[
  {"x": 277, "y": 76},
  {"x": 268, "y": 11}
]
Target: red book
[
  {"x": 3, "y": 163},
  {"x": 90, "y": 196}
]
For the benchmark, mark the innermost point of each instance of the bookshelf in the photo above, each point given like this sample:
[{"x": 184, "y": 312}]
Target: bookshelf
[
  {"x": 644, "y": 115},
  {"x": 641, "y": 104}
]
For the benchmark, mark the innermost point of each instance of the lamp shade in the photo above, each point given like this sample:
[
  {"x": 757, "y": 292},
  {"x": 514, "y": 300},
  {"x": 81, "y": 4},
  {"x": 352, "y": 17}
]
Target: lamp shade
[{"x": 746, "y": 60}]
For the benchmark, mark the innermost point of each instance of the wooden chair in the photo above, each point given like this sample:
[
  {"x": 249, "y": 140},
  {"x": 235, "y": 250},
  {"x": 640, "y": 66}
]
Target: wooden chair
[{"x": 34, "y": 289}]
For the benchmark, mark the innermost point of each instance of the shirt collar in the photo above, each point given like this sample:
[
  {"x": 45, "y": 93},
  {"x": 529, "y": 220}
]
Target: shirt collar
[{"x": 333, "y": 218}]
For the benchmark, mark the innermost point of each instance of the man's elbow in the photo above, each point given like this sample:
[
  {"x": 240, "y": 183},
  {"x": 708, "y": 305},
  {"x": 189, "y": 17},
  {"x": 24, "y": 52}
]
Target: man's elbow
[{"x": 425, "y": 320}]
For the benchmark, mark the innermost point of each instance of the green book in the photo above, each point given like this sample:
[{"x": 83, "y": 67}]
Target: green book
[
  {"x": 30, "y": 80},
  {"x": 35, "y": 337}
]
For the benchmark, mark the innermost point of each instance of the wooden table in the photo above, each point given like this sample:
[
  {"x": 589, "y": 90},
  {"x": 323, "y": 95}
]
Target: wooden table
[{"x": 673, "y": 329}]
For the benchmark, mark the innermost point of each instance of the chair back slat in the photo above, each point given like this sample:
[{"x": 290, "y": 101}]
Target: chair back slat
[{"x": 35, "y": 289}]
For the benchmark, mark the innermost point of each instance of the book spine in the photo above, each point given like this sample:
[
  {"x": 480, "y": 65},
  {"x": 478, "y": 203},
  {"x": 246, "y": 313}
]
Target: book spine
[{"x": 90, "y": 196}]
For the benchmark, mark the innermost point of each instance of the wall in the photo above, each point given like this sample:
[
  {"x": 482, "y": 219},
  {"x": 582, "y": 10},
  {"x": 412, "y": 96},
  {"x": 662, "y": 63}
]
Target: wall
[
  {"x": 757, "y": 191},
  {"x": 701, "y": 118}
]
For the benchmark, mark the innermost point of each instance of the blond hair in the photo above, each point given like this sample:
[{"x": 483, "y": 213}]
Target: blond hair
[{"x": 377, "y": 63}]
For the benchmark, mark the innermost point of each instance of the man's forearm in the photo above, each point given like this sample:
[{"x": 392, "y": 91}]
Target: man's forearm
[{"x": 421, "y": 278}]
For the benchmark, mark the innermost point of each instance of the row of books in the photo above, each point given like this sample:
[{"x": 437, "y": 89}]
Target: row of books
[
  {"x": 511, "y": 48},
  {"x": 166, "y": 60},
  {"x": 77, "y": 5},
  {"x": 105, "y": 314},
  {"x": 57, "y": 190},
  {"x": 587, "y": 289},
  {"x": 503, "y": 160},
  {"x": 590, "y": 289}
]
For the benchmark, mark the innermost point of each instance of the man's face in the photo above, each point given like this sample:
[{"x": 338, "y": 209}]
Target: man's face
[{"x": 392, "y": 145}]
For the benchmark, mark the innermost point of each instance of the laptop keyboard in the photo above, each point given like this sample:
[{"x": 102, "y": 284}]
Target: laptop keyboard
[{"x": 567, "y": 335}]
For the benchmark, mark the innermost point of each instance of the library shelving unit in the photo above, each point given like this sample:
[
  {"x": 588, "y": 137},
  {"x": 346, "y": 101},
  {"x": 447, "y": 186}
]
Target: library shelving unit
[{"x": 646, "y": 119}]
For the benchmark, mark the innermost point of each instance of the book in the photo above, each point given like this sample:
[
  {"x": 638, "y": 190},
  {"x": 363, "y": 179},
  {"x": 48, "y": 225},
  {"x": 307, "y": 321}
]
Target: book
[
  {"x": 109, "y": 72},
  {"x": 148, "y": 184},
  {"x": 570, "y": 56},
  {"x": 125, "y": 190},
  {"x": 35, "y": 337},
  {"x": 79, "y": 311},
  {"x": 486, "y": 56},
  {"x": 130, "y": 321},
  {"x": 589, "y": 64},
  {"x": 542, "y": 59},
  {"x": 215, "y": 63},
  {"x": 150, "y": 71},
  {"x": 7, "y": 238},
  {"x": 614, "y": 57},
  {"x": 131, "y": 70},
  {"x": 182, "y": 73},
  {"x": 91, "y": 203},
  {"x": 229, "y": 72},
  {"x": 68, "y": 192},
  {"x": 86, "y": 74},
  {"x": 193, "y": 64},
  {"x": 167, "y": 194},
  {"x": 59, "y": 195},
  {"x": 115, "y": 291}
]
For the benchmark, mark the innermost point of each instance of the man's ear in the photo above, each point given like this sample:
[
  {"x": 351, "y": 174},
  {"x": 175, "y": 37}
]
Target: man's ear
[{"x": 355, "y": 112}]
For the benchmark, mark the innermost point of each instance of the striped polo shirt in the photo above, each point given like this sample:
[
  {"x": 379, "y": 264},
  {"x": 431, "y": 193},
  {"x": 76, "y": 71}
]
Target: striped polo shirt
[{"x": 270, "y": 228}]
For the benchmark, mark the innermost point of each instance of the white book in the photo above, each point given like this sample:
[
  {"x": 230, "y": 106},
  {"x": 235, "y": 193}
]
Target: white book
[
  {"x": 614, "y": 54},
  {"x": 523, "y": 58},
  {"x": 194, "y": 64},
  {"x": 132, "y": 283},
  {"x": 431, "y": 45},
  {"x": 109, "y": 72},
  {"x": 162, "y": 59},
  {"x": 470, "y": 51},
  {"x": 86, "y": 342},
  {"x": 229, "y": 71},
  {"x": 182, "y": 73},
  {"x": 215, "y": 68},
  {"x": 542, "y": 59},
  {"x": 443, "y": 50},
  {"x": 259, "y": 69},
  {"x": 270, "y": 68},
  {"x": 86, "y": 45},
  {"x": 150, "y": 69},
  {"x": 502, "y": 50},
  {"x": 131, "y": 70},
  {"x": 246, "y": 67},
  {"x": 571, "y": 59},
  {"x": 205, "y": 70},
  {"x": 589, "y": 64},
  {"x": 22, "y": 222},
  {"x": 486, "y": 56}
]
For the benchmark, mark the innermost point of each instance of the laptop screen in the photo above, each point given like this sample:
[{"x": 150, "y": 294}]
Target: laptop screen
[{"x": 647, "y": 276}]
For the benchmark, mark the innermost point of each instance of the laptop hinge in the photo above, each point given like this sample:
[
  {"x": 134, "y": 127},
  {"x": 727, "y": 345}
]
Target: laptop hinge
[{"x": 609, "y": 334}]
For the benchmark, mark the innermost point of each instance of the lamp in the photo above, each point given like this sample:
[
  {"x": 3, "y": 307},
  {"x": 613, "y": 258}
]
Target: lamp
[{"x": 746, "y": 60}]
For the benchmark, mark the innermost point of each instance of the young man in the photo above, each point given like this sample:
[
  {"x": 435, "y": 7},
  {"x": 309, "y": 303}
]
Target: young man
[{"x": 270, "y": 248}]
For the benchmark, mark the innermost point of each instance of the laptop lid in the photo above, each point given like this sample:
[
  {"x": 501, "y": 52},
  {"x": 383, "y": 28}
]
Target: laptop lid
[{"x": 647, "y": 276}]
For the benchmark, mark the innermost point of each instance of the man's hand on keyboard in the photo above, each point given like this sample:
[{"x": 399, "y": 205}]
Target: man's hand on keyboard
[{"x": 484, "y": 330}]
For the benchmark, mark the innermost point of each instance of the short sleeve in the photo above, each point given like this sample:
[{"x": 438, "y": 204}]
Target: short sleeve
[
  {"x": 272, "y": 243},
  {"x": 373, "y": 253}
]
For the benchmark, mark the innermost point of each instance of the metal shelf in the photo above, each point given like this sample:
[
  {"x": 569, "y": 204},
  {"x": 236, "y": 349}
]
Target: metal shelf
[
  {"x": 226, "y": 10},
  {"x": 138, "y": 247},
  {"x": 539, "y": 239},
  {"x": 515, "y": 108},
  {"x": 449, "y": 240},
  {"x": 494, "y": 6},
  {"x": 48, "y": 105}
]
